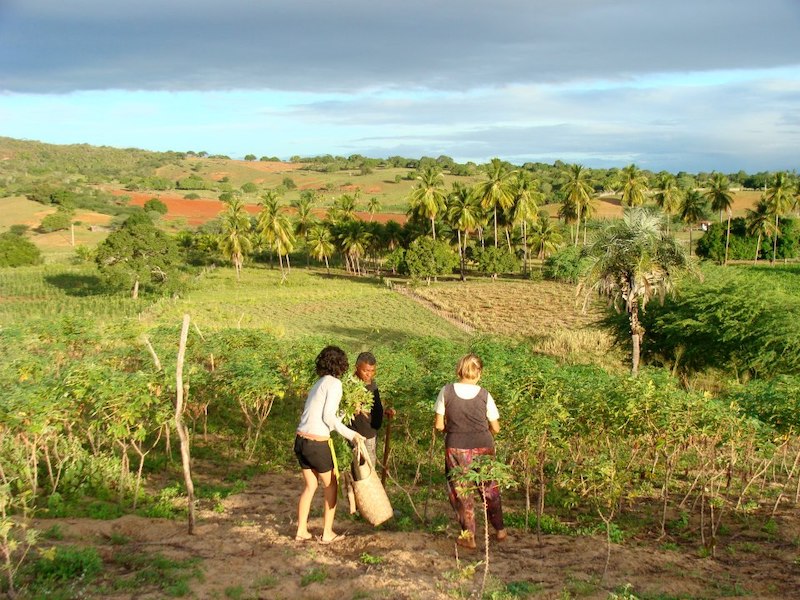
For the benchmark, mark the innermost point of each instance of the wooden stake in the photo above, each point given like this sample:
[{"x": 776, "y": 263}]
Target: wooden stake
[
  {"x": 183, "y": 433},
  {"x": 386, "y": 440}
]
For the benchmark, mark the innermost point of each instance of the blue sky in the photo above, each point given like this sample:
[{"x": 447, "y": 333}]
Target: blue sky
[{"x": 694, "y": 85}]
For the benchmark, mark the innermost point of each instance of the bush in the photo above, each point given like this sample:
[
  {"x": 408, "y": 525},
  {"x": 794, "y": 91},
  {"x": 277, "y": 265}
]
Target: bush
[
  {"x": 428, "y": 258},
  {"x": 57, "y": 221},
  {"x": 156, "y": 205},
  {"x": 565, "y": 265},
  {"x": 493, "y": 260},
  {"x": 16, "y": 251}
]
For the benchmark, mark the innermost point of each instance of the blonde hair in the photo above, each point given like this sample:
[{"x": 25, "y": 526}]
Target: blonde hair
[{"x": 469, "y": 367}]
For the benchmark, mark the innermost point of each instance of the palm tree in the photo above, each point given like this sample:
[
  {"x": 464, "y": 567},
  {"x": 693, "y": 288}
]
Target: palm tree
[
  {"x": 354, "y": 240},
  {"x": 235, "y": 240},
  {"x": 392, "y": 234},
  {"x": 780, "y": 200},
  {"x": 759, "y": 222},
  {"x": 546, "y": 236},
  {"x": 343, "y": 208},
  {"x": 373, "y": 206},
  {"x": 718, "y": 193},
  {"x": 497, "y": 190},
  {"x": 668, "y": 196},
  {"x": 283, "y": 240},
  {"x": 320, "y": 243},
  {"x": 305, "y": 220},
  {"x": 578, "y": 190},
  {"x": 633, "y": 261},
  {"x": 634, "y": 186},
  {"x": 464, "y": 214},
  {"x": 428, "y": 198},
  {"x": 525, "y": 208},
  {"x": 692, "y": 210},
  {"x": 275, "y": 229}
]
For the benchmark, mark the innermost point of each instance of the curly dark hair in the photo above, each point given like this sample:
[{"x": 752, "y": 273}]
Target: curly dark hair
[{"x": 332, "y": 361}]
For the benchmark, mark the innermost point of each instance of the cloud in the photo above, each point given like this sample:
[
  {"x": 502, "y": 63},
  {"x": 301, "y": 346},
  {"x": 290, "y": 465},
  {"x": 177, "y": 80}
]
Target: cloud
[{"x": 51, "y": 46}]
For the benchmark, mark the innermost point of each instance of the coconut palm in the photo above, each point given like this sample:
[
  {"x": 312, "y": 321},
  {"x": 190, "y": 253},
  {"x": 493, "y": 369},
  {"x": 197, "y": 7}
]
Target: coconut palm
[
  {"x": 354, "y": 239},
  {"x": 546, "y": 236},
  {"x": 304, "y": 220},
  {"x": 720, "y": 197},
  {"x": 633, "y": 183},
  {"x": 633, "y": 261},
  {"x": 692, "y": 210},
  {"x": 525, "y": 209},
  {"x": 759, "y": 222},
  {"x": 464, "y": 215},
  {"x": 780, "y": 200},
  {"x": 497, "y": 190},
  {"x": 235, "y": 242},
  {"x": 275, "y": 230},
  {"x": 344, "y": 208},
  {"x": 373, "y": 206},
  {"x": 668, "y": 196},
  {"x": 428, "y": 198},
  {"x": 320, "y": 244},
  {"x": 578, "y": 190}
]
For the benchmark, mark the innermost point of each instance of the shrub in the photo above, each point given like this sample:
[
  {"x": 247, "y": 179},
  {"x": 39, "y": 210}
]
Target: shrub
[
  {"x": 565, "y": 265},
  {"x": 156, "y": 205},
  {"x": 57, "y": 221},
  {"x": 16, "y": 251},
  {"x": 493, "y": 260},
  {"x": 428, "y": 258}
]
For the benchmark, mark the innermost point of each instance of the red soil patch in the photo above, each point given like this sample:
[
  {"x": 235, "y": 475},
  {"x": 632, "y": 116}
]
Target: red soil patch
[{"x": 197, "y": 212}]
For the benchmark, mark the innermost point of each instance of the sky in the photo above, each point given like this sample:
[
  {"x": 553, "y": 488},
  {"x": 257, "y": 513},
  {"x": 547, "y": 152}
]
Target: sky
[{"x": 676, "y": 85}]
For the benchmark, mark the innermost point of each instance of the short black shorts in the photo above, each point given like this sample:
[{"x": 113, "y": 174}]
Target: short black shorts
[{"x": 312, "y": 454}]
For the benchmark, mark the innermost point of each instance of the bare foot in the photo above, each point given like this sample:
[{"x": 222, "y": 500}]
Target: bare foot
[
  {"x": 466, "y": 540},
  {"x": 501, "y": 535},
  {"x": 302, "y": 537}
]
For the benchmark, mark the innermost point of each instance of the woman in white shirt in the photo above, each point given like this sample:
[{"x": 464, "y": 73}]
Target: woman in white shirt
[
  {"x": 312, "y": 444},
  {"x": 468, "y": 415}
]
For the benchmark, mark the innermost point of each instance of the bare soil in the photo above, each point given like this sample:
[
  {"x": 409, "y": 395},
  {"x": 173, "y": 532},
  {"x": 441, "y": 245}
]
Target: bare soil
[{"x": 250, "y": 548}]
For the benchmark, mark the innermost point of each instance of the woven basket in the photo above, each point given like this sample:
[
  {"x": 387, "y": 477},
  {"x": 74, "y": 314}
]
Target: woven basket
[{"x": 371, "y": 499}]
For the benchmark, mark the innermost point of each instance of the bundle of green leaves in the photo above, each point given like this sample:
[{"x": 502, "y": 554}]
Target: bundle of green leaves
[{"x": 355, "y": 398}]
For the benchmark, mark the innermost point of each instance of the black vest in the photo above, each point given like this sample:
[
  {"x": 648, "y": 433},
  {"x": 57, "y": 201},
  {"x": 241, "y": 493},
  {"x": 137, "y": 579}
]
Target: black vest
[{"x": 465, "y": 423}]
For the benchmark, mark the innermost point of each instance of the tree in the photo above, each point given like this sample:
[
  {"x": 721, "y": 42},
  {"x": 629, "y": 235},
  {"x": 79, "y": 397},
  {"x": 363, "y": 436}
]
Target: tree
[
  {"x": 759, "y": 223},
  {"x": 692, "y": 210},
  {"x": 525, "y": 209},
  {"x": 546, "y": 236},
  {"x": 578, "y": 191},
  {"x": 428, "y": 197},
  {"x": 305, "y": 219},
  {"x": 275, "y": 230},
  {"x": 428, "y": 258},
  {"x": 138, "y": 252},
  {"x": 320, "y": 243},
  {"x": 373, "y": 206},
  {"x": 497, "y": 191},
  {"x": 633, "y": 261},
  {"x": 16, "y": 251},
  {"x": 235, "y": 242},
  {"x": 464, "y": 215},
  {"x": 354, "y": 239},
  {"x": 780, "y": 200},
  {"x": 668, "y": 196},
  {"x": 634, "y": 186},
  {"x": 719, "y": 195}
]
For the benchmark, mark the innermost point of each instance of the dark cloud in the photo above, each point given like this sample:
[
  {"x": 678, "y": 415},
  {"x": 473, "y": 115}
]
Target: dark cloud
[{"x": 52, "y": 46}]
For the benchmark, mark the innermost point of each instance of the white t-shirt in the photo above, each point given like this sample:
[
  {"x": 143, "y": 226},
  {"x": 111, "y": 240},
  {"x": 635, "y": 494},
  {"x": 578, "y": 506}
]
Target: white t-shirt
[{"x": 467, "y": 391}]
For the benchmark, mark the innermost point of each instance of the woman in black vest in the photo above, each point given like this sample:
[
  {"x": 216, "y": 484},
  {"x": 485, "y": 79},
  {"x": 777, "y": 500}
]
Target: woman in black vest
[{"x": 468, "y": 415}]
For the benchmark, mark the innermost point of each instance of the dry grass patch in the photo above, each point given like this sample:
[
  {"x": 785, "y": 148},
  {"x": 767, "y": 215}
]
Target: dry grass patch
[{"x": 547, "y": 313}]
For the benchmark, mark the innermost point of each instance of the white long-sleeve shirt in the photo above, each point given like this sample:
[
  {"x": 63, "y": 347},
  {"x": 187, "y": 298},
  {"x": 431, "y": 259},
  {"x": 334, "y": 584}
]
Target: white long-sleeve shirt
[{"x": 320, "y": 413}]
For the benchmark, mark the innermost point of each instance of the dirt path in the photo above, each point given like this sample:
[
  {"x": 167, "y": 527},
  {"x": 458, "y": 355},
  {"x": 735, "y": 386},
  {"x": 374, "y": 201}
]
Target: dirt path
[{"x": 249, "y": 547}]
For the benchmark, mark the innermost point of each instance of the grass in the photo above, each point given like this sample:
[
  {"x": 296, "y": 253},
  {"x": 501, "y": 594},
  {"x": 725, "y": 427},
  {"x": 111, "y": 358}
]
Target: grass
[
  {"x": 352, "y": 312},
  {"x": 544, "y": 312}
]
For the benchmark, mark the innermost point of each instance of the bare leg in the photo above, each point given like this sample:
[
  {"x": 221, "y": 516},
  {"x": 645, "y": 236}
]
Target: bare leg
[
  {"x": 304, "y": 506},
  {"x": 331, "y": 490}
]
